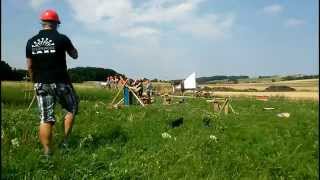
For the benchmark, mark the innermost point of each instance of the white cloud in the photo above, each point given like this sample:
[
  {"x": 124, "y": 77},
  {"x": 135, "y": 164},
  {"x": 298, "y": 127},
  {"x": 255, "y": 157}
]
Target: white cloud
[
  {"x": 273, "y": 9},
  {"x": 35, "y": 4},
  {"x": 210, "y": 26},
  {"x": 139, "y": 31},
  {"x": 124, "y": 18},
  {"x": 294, "y": 22},
  {"x": 149, "y": 58}
]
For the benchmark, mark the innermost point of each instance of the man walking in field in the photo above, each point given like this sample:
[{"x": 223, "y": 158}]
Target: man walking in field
[{"x": 46, "y": 61}]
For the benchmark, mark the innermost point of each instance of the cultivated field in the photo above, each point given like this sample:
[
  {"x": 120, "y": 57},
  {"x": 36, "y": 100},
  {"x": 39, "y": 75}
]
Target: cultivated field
[
  {"x": 308, "y": 85},
  {"x": 139, "y": 143},
  {"x": 305, "y": 89}
]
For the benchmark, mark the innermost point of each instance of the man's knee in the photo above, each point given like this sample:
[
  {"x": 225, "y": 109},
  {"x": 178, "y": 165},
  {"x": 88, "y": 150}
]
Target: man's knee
[
  {"x": 69, "y": 116},
  {"x": 46, "y": 124}
]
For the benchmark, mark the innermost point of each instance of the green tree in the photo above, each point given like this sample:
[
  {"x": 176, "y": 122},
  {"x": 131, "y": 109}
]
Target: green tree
[{"x": 6, "y": 71}]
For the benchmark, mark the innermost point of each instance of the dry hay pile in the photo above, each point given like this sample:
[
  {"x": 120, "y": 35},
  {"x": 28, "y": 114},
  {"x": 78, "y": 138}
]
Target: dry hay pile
[
  {"x": 163, "y": 89},
  {"x": 229, "y": 89},
  {"x": 279, "y": 89}
]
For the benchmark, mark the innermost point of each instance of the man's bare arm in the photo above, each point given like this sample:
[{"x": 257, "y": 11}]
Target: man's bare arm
[
  {"x": 73, "y": 53},
  {"x": 29, "y": 66}
]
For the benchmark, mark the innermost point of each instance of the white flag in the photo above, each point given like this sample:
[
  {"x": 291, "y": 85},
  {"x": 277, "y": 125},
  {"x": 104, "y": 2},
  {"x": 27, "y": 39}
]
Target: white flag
[{"x": 190, "y": 81}]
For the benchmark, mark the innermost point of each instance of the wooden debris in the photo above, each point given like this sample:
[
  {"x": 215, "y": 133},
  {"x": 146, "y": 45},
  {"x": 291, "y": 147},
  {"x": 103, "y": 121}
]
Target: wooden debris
[
  {"x": 284, "y": 115},
  {"x": 222, "y": 104},
  {"x": 262, "y": 98},
  {"x": 268, "y": 108},
  {"x": 166, "y": 99}
]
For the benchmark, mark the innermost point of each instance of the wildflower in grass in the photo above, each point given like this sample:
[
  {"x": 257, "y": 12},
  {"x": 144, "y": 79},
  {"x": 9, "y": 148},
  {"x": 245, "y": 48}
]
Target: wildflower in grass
[
  {"x": 213, "y": 138},
  {"x": 85, "y": 140},
  {"x": 94, "y": 156},
  {"x": 2, "y": 133},
  {"x": 166, "y": 135},
  {"x": 97, "y": 112},
  {"x": 15, "y": 142}
]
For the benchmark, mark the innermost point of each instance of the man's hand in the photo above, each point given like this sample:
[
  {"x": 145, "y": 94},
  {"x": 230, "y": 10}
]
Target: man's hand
[{"x": 73, "y": 53}]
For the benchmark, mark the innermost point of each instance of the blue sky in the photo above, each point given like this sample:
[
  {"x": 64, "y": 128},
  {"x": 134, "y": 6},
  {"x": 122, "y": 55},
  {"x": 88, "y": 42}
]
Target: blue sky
[{"x": 169, "y": 39}]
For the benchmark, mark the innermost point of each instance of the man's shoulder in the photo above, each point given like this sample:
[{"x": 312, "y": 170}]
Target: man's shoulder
[
  {"x": 33, "y": 38},
  {"x": 63, "y": 35}
]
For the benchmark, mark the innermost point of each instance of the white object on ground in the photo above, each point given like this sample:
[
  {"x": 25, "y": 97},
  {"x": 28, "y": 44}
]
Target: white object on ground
[
  {"x": 15, "y": 142},
  {"x": 213, "y": 137},
  {"x": 165, "y": 135},
  {"x": 285, "y": 115},
  {"x": 268, "y": 108}
]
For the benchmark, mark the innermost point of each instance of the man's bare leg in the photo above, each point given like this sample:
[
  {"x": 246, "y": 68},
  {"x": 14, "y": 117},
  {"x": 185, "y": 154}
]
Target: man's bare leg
[
  {"x": 45, "y": 136},
  {"x": 68, "y": 123}
]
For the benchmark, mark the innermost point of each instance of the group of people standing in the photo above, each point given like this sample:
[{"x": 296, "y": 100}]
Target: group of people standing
[
  {"x": 114, "y": 82},
  {"x": 137, "y": 85}
]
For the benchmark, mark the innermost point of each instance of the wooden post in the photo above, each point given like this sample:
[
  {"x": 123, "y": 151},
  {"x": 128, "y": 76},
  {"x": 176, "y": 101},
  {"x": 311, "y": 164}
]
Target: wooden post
[
  {"x": 121, "y": 88},
  {"x": 33, "y": 98},
  {"x": 226, "y": 107},
  {"x": 215, "y": 106},
  {"x": 220, "y": 104},
  {"x": 116, "y": 96},
  {"x": 116, "y": 105},
  {"x": 134, "y": 94}
]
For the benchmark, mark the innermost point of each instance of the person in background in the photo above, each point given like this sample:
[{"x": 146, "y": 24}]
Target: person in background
[
  {"x": 111, "y": 82},
  {"x": 116, "y": 81},
  {"x": 149, "y": 88},
  {"x": 108, "y": 82},
  {"x": 140, "y": 87}
]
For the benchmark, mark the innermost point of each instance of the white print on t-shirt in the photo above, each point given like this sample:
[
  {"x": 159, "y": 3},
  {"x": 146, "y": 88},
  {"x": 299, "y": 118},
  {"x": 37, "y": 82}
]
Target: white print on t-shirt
[{"x": 43, "y": 45}]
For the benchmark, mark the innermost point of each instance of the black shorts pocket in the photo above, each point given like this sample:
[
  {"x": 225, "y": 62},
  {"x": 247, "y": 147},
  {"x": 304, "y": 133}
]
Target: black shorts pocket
[{"x": 41, "y": 90}]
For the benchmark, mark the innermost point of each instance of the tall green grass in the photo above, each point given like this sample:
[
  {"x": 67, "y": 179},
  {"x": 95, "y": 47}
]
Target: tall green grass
[
  {"x": 127, "y": 143},
  {"x": 15, "y": 93}
]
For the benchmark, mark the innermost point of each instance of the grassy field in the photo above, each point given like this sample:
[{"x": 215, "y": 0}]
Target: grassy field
[{"x": 138, "y": 143}]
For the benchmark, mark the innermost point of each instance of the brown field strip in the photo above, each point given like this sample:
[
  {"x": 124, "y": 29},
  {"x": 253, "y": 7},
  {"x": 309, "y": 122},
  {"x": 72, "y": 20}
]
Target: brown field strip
[{"x": 289, "y": 95}]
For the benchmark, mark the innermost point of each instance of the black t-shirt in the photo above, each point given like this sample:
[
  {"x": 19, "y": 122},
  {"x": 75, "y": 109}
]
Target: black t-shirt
[{"x": 48, "y": 53}]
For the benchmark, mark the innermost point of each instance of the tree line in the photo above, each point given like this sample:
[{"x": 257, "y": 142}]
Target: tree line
[
  {"x": 78, "y": 74},
  {"x": 81, "y": 74},
  {"x": 233, "y": 79},
  {"x": 13, "y": 74}
]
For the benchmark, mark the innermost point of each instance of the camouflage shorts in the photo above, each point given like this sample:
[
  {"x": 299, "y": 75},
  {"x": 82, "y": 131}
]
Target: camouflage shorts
[{"x": 49, "y": 94}]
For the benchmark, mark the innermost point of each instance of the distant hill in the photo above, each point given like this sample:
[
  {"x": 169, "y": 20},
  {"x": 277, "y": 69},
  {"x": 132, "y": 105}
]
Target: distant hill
[{"x": 210, "y": 79}]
